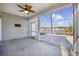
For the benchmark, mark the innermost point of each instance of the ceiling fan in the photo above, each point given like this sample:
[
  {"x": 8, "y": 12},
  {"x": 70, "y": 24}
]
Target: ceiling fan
[{"x": 27, "y": 9}]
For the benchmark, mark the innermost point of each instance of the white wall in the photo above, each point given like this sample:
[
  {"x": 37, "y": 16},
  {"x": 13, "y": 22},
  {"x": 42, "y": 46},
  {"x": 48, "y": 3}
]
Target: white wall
[{"x": 9, "y": 31}]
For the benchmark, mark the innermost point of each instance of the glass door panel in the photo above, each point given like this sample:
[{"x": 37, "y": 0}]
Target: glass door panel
[{"x": 33, "y": 29}]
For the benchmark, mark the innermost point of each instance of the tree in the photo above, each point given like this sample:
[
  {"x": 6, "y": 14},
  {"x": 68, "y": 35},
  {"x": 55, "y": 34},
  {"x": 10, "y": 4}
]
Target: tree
[{"x": 69, "y": 30}]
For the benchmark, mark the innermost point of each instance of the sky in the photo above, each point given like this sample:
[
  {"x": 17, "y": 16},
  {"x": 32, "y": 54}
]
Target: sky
[{"x": 61, "y": 17}]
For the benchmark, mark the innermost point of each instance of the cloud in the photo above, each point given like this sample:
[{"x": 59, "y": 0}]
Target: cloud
[
  {"x": 71, "y": 16},
  {"x": 58, "y": 20},
  {"x": 57, "y": 17}
]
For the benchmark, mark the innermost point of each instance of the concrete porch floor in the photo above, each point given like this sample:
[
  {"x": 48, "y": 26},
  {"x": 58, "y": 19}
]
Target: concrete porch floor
[{"x": 30, "y": 47}]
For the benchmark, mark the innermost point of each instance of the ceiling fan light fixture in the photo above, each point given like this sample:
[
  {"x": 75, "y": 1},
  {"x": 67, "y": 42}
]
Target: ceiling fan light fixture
[{"x": 26, "y": 12}]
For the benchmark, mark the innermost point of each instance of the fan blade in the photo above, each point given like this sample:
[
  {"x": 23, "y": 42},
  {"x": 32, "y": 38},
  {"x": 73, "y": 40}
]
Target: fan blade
[
  {"x": 31, "y": 11},
  {"x": 20, "y": 6},
  {"x": 21, "y": 10},
  {"x": 25, "y": 5}
]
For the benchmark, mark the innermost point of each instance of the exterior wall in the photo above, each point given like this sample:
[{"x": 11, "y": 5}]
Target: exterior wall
[{"x": 9, "y": 31}]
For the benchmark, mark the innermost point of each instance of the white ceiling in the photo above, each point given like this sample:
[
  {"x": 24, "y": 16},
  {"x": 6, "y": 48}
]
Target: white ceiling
[{"x": 12, "y": 8}]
